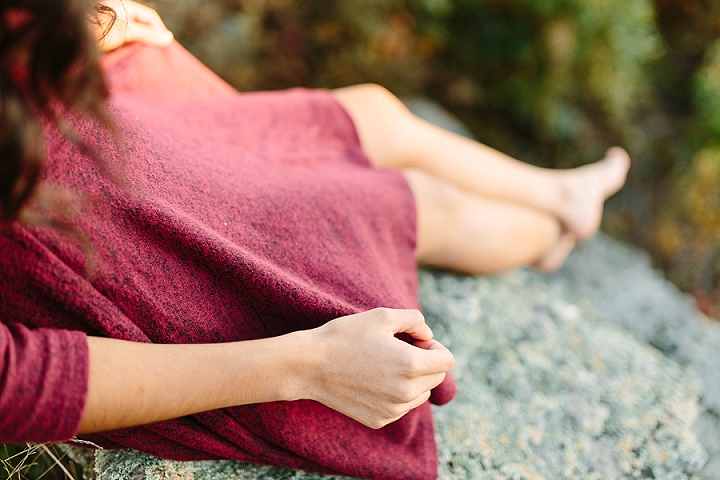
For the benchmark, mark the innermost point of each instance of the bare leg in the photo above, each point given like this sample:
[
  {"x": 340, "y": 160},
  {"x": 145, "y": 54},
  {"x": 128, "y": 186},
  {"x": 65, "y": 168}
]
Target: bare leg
[
  {"x": 555, "y": 256},
  {"x": 393, "y": 137},
  {"x": 471, "y": 234}
]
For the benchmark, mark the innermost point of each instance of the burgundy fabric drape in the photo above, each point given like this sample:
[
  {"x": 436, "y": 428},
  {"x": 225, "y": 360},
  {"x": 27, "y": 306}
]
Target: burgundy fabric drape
[{"x": 244, "y": 216}]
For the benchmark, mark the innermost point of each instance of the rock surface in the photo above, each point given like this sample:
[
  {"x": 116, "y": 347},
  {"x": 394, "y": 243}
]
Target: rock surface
[
  {"x": 557, "y": 379},
  {"x": 618, "y": 281}
]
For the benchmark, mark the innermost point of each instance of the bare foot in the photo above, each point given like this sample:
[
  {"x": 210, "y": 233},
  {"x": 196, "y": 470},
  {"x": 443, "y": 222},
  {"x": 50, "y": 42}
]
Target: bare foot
[
  {"x": 555, "y": 257},
  {"x": 585, "y": 189}
]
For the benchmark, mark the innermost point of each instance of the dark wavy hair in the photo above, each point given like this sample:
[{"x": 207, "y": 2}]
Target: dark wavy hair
[{"x": 48, "y": 64}]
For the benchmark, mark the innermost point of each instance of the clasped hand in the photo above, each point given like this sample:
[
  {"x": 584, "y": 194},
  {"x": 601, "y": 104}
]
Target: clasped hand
[{"x": 363, "y": 371}]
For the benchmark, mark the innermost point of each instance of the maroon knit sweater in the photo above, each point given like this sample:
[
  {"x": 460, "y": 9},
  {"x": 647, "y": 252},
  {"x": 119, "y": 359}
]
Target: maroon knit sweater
[{"x": 246, "y": 216}]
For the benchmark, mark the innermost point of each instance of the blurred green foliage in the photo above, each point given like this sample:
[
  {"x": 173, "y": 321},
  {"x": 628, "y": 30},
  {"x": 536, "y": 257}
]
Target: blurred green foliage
[
  {"x": 553, "y": 79},
  {"x": 552, "y": 82}
]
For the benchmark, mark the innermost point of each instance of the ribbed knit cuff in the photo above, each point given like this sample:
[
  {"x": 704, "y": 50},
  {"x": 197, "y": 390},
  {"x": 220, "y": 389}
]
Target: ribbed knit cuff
[{"x": 43, "y": 383}]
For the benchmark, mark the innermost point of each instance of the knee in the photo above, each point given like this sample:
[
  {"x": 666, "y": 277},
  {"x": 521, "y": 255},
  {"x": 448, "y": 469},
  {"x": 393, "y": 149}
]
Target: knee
[
  {"x": 372, "y": 103},
  {"x": 383, "y": 123},
  {"x": 374, "y": 95}
]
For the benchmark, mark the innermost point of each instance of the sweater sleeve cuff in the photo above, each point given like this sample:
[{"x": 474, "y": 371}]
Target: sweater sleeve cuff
[{"x": 43, "y": 383}]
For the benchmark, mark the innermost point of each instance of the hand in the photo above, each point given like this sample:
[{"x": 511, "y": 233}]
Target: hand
[
  {"x": 361, "y": 370},
  {"x": 353, "y": 364},
  {"x": 133, "y": 23}
]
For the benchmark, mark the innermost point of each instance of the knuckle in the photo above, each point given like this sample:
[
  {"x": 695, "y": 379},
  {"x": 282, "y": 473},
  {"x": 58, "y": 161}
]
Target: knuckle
[
  {"x": 417, "y": 316},
  {"x": 410, "y": 366},
  {"x": 395, "y": 411},
  {"x": 404, "y": 394},
  {"x": 385, "y": 315},
  {"x": 439, "y": 378},
  {"x": 376, "y": 424}
]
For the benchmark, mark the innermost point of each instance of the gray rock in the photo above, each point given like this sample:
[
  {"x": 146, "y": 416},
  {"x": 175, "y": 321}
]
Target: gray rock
[
  {"x": 556, "y": 379},
  {"x": 550, "y": 390},
  {"x": 617, "y": 280},
  {"x": 707, "y": 428}
]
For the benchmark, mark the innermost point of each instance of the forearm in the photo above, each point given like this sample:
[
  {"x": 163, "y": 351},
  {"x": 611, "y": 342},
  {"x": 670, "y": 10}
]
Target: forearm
[
  {"x": 352, "y": 364},
  {"x": 136, "y": 383}
]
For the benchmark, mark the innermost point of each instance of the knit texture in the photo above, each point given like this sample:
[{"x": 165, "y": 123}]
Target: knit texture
[
  {"x": 244, "y": 216},
  {"x": 43, "y": 380}
]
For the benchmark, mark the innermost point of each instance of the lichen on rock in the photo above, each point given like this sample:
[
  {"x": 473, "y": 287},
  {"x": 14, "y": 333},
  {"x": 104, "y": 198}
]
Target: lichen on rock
[{"x": 547, "y": 389}]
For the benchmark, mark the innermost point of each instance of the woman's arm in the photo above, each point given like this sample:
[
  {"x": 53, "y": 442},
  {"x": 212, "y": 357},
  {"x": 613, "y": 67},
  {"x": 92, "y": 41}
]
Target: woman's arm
[{"x": 353, "y": 364}]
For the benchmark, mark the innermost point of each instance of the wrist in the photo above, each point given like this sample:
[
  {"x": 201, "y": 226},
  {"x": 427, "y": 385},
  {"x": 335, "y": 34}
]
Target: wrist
[{"x": 299, "y": 354}]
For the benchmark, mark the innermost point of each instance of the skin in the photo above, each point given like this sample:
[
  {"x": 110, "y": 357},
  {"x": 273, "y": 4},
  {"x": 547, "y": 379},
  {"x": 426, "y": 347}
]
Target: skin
[
  {"x": 353, "y": 364},
  {"x": 134, "y": 22},
  {"x": 479, "y": 211}
]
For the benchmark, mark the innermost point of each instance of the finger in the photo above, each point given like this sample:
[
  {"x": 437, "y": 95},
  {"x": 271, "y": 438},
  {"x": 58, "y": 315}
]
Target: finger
[
  {"x": 442, "y": 354},
  {"x": 424, "y": 344},
  {"x": 411, "y": 322},
  {"x": 144, "y": 14},
  {"x": 140, "y": 32},
  {"x": 429, "y": 382},
  {"x": 418, "y": 401},
  {"x": 433, "y": 359},
  {"x": 113, "y": 39},
  {"x": 424, "y": 397}
]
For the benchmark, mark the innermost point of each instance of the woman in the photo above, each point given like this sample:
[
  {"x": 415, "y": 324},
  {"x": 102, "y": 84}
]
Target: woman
[{"x": 237, "y": 268}]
